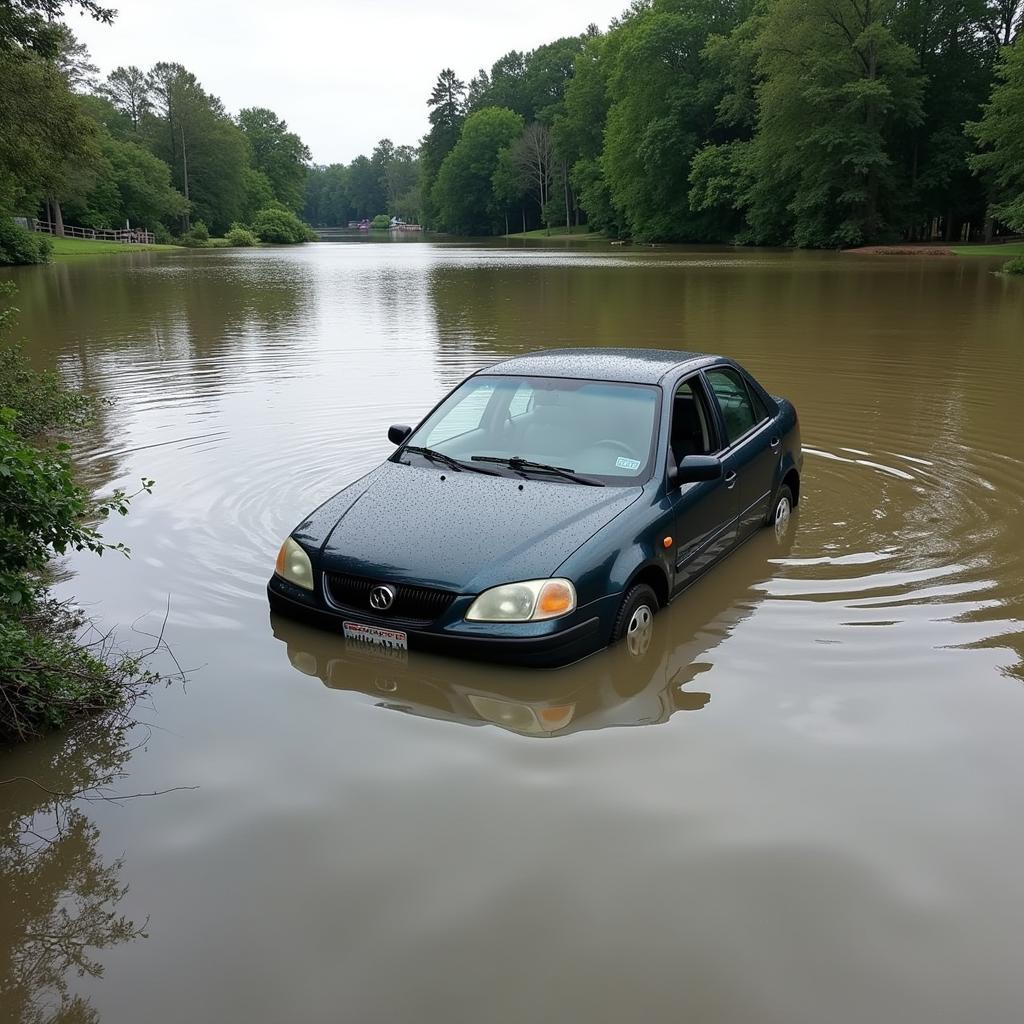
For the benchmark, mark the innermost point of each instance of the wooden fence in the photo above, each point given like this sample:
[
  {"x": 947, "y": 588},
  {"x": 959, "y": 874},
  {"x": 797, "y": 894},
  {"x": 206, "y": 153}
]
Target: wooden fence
[{"x": 133, "y": 236}]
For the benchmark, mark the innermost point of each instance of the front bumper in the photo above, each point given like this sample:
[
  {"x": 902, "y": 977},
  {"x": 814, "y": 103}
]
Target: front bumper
[{"x": 547, "y": 650}]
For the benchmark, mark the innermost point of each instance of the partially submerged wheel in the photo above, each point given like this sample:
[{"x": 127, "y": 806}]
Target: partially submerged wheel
[
  {"x": 781, "y": 510},
  {"x": 635, "y": 621}
]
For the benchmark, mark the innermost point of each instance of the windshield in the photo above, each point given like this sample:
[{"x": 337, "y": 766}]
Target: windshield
[{"x": 597, "y": 428}]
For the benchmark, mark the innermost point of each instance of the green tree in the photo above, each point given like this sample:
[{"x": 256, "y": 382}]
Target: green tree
[
  {"x": 71, "y": 58},
  {"x": 327, "y": 197},
  {"x": 276, "y": 152},
  {"x": 1000, "y": 134},
  {"x": 837, "y": 90},
  {"x": 35, "y": 25},
  {"x": 133, "y": 186},
  {"x": 463, "y": 194},
  {"x": 48, "y": 146},
  {"x": 397, "y": 172},
  {"x": 447, "y": 114},
  {"x": 578, "y": 129},
  {"x": 664, "y": 96},
  {"x": 128, "y": 89},
  {"x": 257, "y": 193},
  {"x": 207, "y": 153},
  {"x": 364, "y": 188}
]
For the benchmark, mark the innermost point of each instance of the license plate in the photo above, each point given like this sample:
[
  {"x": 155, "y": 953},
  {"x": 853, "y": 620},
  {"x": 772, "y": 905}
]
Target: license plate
[{"x": 393, "y": 639}]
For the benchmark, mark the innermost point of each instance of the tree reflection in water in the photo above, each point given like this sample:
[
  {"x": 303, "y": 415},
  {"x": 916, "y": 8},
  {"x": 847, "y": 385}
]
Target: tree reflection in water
[{"x": 60, "y": 897}]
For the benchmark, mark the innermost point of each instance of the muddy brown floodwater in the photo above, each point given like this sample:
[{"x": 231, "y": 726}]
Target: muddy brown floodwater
[{"x": 804, "y": 803}]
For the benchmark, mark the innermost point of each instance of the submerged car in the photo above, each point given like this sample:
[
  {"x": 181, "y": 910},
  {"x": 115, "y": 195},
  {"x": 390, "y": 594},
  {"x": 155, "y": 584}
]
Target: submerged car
[{"x": 547, "y": 506}]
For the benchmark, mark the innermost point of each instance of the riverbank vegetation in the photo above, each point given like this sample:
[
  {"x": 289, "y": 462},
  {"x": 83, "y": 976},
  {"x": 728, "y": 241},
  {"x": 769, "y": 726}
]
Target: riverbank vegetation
[
  {"x": 152, "y": 149},
  {"x": 52, "y": 671},
  {"x": 61, "y": 248},
  {"x": 808, "y": 122}
]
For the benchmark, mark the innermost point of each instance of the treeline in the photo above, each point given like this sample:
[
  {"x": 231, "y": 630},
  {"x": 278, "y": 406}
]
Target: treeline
[
  {"x": 808, "y": 122},
  {"x": 387, "y": 181},
  {"x": 151, "y": 149}
]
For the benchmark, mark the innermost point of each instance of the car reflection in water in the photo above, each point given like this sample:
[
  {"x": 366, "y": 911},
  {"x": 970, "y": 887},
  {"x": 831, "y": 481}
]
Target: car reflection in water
[{"x": 642, "y": 681}]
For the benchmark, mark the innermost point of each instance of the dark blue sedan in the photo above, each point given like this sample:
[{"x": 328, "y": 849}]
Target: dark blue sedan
[{"x": 547, "y": 507}]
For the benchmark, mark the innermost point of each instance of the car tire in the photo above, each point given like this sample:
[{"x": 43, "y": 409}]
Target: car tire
[
  {"x": 781, "y": 510},
  {"x": 638, "y": 608}
]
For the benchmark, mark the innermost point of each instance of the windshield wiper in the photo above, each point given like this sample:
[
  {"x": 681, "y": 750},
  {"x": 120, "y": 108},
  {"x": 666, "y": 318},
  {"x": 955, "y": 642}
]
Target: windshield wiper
[
  {"x": 435, "y": 456},
  {"x": 520, "y": 465}
]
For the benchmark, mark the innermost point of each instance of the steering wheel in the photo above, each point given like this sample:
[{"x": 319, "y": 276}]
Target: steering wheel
[{"x": 611, "y": 442}]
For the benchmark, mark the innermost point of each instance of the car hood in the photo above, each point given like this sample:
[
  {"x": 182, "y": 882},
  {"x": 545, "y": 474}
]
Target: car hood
[{"x": 459, "y": 531}]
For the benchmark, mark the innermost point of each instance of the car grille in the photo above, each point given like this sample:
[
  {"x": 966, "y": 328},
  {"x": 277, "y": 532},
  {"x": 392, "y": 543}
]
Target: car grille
[{"x": 414, "y": 605}]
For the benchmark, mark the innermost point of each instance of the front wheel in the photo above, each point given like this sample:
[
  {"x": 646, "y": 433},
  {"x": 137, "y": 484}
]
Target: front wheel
[
  {"x": 634, "y": 623},
  {"x": 781, "y": 510}
]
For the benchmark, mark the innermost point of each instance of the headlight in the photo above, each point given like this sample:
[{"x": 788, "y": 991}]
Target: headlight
[
  {"x": 524, "y": 602},
  {"x": 293, "y": 564}
]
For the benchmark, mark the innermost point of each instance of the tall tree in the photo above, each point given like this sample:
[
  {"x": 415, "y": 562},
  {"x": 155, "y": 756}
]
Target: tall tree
[
  {"x": 532, "y": 156},
  {"x": 364, "y": 188},
  {"x": 463, "y": 195},
  {"x": 838, "y": 90},
  {"x": 398, "y": 174},
  {"x": 664, "y": 98},
  {"x": 71, "y": 58},
  {"x": 128, "y": 89},
  {"x": 204, "y": 147},
  {"x": 48, "y": 146},
  {"x": 578, "y": 129},
  {"x": 280, "y": 154},
  {"x": 1000, "y": 133},
  {"x": 447, "y": 113}
]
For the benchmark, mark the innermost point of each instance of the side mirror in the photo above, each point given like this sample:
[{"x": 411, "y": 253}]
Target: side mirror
[
  {"x": 695, "y": 468},
  {"x": 398, "y": 432}
]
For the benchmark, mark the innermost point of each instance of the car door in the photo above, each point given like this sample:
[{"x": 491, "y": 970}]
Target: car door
[
  {"x": 705, "y": 512},
  {"x": 751, "y": 456}
]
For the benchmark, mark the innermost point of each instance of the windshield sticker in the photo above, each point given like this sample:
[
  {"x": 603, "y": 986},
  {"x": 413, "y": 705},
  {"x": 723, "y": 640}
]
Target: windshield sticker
[{"x": 624, "y": 463}]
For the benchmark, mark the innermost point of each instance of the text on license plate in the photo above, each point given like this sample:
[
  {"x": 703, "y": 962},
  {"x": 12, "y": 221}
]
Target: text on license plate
[{"x": 395, "y": 639}]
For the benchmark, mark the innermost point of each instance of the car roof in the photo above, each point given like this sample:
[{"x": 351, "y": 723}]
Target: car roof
[{"x": 630, "y": 365}]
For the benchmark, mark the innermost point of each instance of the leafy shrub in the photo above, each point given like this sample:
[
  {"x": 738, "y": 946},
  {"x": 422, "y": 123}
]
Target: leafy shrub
[
  {"x": 279, "y": 225},
  {"x": 1014, "y": 266},
  {"x": 20, "y": 246},
  {"x": 241, "y": 236},
  {"x": 381, "y": 222},
  {"x": 162, "y": 236},
  {"x": 196, "y": 237},
  {"x": 46, "y": 677}
]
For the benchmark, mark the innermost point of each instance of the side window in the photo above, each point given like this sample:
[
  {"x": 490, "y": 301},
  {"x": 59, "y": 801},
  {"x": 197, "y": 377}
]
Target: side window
[
  {"x": 461, "y": 418},
  {"x": 734, "y": 400},
  {"x": 692, "y": 432}
]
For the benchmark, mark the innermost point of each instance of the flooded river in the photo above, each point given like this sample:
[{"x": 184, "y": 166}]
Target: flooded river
[{"x": 804, "y": 803}]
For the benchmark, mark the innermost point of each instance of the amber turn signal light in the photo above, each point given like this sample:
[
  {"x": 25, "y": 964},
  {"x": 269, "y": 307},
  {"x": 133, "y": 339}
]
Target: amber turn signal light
[{"x": 555, "y": 598}]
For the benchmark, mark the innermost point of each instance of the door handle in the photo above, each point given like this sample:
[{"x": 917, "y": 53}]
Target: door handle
[
  {"x": 774, "y": 442},
  {"x": 730, "y": 479}
]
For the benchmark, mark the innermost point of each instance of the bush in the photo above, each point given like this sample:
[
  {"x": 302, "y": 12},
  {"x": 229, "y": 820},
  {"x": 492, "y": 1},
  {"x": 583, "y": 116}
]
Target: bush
[
  {"x": 241, "y": 236},
  {"x": 162, "y": 236},
  {"x": 1014, "y": 266},
  {"x": 20, "y": 246},
  {"x": 196, "y": 237},
  {"x": 46, "y": 677},
  {"x": 381, "y": 222},
  {"x": 281, "y": 226}
]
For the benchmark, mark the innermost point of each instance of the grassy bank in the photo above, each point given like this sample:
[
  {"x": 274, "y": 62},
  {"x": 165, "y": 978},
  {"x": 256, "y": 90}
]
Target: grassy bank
[
  {"x": 1007, "y": 251},
  {"x": 64, "y": 248},
  {"x": 581, "y": 233}
]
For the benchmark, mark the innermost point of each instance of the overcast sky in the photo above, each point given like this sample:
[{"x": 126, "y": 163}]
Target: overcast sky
[{"x": 342, "y": 74}]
